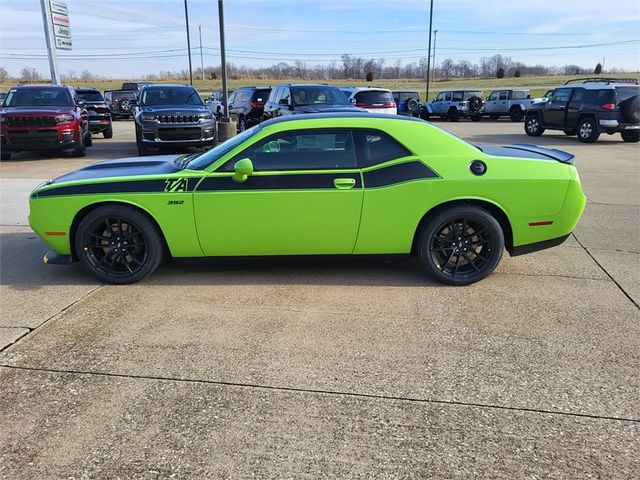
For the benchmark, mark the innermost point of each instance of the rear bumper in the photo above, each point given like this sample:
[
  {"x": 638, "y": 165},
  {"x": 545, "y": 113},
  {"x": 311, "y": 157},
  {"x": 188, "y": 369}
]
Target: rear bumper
[
  {"x": 97, "y": 124},
  {"x": 53, "y": 258},
  {"x": 537, "y": 246}
]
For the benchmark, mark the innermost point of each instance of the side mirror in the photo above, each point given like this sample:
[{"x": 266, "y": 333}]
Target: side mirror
[
  {"x": 284, "y": 102},
  {"x": 353, "y": 100},
  {"x": 82, "y": 103},
  {"x": 243, "y": 169}
]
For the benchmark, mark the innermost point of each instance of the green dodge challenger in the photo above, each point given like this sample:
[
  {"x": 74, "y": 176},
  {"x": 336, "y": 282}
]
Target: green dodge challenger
[{"x": 319, "y": 184}]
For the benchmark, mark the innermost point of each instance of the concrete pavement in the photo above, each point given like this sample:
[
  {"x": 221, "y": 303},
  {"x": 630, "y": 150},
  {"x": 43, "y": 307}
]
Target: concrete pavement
[{"x": 337, "y": 369}]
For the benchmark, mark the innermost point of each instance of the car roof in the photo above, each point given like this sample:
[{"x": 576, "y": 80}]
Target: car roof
[
  {"x": 305, "y": 85},
  {"x": 409, "y": 91},
  {"x": 165, "y": 85},
  {"x": 87, "y": 89},
  {"x": 598, "y": 85},
  {"x": 373, "y": 89},
  {"x": 325, "y": 116}
]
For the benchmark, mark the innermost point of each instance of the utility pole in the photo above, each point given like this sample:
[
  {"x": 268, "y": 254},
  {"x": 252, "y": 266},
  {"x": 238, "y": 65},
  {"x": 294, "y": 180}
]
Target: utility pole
[
  {"x": 429, "y": 52},
  {"x": 226, "y": 128},
  {"x": 435, "y": 37},
  {"x": 201, "y": 57},
  {"x": 603, "y": 64},
  {"x": 48, "y": 35},
  {"x": 186, "y": 21}
]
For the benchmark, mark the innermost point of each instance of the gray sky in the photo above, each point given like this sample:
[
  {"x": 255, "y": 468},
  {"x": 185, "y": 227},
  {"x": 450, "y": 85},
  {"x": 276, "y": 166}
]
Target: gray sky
[{"x": 118, "y": 38}]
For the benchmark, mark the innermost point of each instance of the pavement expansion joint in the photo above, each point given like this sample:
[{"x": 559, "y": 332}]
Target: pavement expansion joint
[
  {"x": 51, "y": 317},
  {"x": 312, "y": 391},
  {"x": 605, "y": 271},
  {"x": 519, "y": 274}
]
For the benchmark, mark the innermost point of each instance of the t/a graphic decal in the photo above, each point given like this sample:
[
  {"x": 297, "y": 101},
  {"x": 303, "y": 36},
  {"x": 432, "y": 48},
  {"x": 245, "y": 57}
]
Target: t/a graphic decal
[{"x": 176, "y": 185}]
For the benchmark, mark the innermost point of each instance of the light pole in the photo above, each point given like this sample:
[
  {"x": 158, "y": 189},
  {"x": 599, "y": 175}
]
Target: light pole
[
  {"x": 226, "y": 128},
  {"x": 429, "y": 52},
  {"x": 201, "y": 57},
  {"x": 435, "y": 37},
  {"x": 186, "y": 21}
]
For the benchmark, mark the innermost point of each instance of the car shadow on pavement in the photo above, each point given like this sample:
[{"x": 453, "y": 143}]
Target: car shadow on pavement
[{"x": 21, "y": 267}]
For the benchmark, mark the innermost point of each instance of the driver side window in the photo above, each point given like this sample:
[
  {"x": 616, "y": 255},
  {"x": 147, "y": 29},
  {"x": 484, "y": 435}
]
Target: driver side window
[{"x": 308, "y": 150}]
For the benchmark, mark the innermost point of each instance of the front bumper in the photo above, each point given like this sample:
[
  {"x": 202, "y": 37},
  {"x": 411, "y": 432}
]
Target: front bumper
[
  {"x": 13, "y": 141},
  {"x": 178, "y": 134}
]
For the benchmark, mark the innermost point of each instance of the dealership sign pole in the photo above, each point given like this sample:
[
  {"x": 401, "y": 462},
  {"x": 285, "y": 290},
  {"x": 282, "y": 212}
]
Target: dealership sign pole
[{"x": 57, "y": 33}]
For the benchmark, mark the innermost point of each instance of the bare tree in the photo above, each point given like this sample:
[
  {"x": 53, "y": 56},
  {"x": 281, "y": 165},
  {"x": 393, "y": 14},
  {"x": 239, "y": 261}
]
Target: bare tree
[
  {"x": 3, "y": 74},
  {"x": 29, "y": 74}
]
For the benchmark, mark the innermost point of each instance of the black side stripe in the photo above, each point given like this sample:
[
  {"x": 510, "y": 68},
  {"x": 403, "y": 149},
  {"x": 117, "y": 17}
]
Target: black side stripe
[
  {"x": 135, "y": 186},
  {"x": 402, "y": 172},
  {"x": 308, "y": 181}
]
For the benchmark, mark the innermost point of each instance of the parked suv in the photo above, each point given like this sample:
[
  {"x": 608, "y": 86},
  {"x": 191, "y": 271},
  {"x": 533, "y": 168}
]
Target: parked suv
[
  {"x": 372, "y": 99},
  {"x": 43, "y": 117},
  {"x": 509, "y": 102},
  {"x": 407, "y": 101},
  {"x": 172, "y": 115},
  {"x": 587, "y": 108},
  {"x": 119, "y": 102},
  {"x": 246, "y": 106},
  {"x": 453, "y": 104},
  {"x": 292, "y": 99},
  {"x": 99, "y": 114}
]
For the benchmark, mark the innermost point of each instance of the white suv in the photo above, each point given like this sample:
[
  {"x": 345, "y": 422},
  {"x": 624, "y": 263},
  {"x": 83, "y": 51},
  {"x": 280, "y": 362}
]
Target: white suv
[{"x": 372, "y": 99}]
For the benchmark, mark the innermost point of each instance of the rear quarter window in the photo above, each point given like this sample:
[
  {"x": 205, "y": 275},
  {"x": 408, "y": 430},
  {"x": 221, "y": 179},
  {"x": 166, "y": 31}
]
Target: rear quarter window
[{"x": 378, "y": 147}]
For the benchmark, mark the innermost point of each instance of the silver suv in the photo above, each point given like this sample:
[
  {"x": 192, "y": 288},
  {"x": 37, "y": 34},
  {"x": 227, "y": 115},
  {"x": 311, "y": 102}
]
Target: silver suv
[{"x": 453, "y": 104}]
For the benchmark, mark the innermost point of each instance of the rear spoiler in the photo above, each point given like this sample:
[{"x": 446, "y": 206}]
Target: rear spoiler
[{"x": 553, "y": 153}]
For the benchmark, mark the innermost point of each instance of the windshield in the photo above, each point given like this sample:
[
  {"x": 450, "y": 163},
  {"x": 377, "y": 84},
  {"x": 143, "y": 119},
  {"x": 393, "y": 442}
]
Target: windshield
[
  {"x": 318, "y": 96},
  {"x": 38, "y": 97},
  {"x": 170, "y": 96},
  {"x": 206, "y": 159},
  {"x": 91, "y": 96}
]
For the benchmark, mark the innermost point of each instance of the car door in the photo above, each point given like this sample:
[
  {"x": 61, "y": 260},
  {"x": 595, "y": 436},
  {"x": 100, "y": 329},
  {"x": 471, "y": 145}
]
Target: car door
[
  {"x": 491, "y": 104},
  {"x": 284, "y": 109},
  {"x": 554, "y": 112},
  {"x": 436, "y": 105},
  {"x": 503, "y": 100},
  {"x": 304, "y": 197}
]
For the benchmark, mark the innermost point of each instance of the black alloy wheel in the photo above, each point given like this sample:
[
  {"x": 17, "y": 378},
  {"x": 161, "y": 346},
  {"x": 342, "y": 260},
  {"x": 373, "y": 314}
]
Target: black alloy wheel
[
  {"x": 587, "y": 130},
  {"x": 118, "y": 244},
  {"x": 461, "y": 245},
  {"x": 532, "y": 126}
]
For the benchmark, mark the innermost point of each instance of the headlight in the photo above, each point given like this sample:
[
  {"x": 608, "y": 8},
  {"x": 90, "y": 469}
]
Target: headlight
[
  {"x": 206, "y": 116},
  {"x": 3, "y": 119},
  {"x": 148, "y": 117},
  {"x": 64, "y": 118}
]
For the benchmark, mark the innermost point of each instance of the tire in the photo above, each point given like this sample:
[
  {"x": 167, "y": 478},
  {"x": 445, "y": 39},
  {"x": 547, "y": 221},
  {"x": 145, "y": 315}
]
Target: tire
[
  {"x": 412, "y": 104},
  {"x": 101, "y": 248},
  {"x": 108, "y": 133},
  {"x": 532, "y": 126},
  {"x": 453, "y": 115},
  {"x": 88, "y": 139},
  {"x": 587, "y": 130},
  {"x": 124, "y": 105},
  {"x": 242, "y": 124},
  {"x": 81, "y": 149},
  {"x": 631, "y": 109},
  {"x": 515, "y": 114},
  {"x": 5, "y": 155},
  {"x": 627, "y": 136},
  {"x": 476, "y": 241},
  {"x": 475, "y": 104},
  {"x": 143, "y": 151},
  {"x": 570, "y": 133},
  {"x": 475, "y": 118}
]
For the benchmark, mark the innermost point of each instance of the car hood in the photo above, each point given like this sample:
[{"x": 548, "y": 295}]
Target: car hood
[
  {"x": 176, "y": 109},
  {"x": 40, "y": 109},
  {"x": 327, "y": 109},
  {"x": 123, "y": 167}
]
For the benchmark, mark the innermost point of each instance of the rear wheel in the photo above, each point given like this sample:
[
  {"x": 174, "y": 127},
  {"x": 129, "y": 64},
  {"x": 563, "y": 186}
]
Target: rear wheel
[
  {"x": 461, "y": 245},
  {"x": 532, "y": 126},
  {"x": 628, "y": 136},
  {"x": 118, "y": 244},
  {"x": 587, "y": 130},
  {"x": 108, "y": 133},
  {"x": 515, "y": 114},
  {"x": 453, "y": 115},
  {"x": 242, "y": 124}
]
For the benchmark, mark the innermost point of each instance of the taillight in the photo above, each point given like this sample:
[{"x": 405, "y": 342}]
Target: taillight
[
  {"x": 609, "y": 106},
  {"x": 257, "y": 104}
]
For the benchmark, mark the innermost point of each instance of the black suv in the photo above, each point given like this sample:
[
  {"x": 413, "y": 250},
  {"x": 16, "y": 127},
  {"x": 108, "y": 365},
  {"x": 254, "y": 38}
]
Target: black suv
[
  {"x": 173, "y": 116},
  {"x": 292, "y": 99},
  {"x": 246, "y": 106},
  {"x": 587, "y": 108},
  {"x": 99, "y": 114},
  {"x": 120, "y": 102}
]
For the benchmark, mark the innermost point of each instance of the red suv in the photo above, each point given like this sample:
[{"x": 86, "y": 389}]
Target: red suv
[{"x": 43, "y": 117}]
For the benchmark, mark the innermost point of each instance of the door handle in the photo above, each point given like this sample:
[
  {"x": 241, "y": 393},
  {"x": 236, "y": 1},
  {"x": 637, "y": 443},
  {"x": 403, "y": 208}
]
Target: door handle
[{"x": 344, "y": 183}]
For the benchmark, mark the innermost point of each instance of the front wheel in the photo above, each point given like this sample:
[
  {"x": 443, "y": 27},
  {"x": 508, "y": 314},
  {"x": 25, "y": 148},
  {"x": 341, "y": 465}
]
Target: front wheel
[
  {"x": 108, "y": 133},
  {"x": 587, "y": 130},
  {"x": 118, "y": 244},
  {"x": 81, "y": 149},
  {"x": 461, "y": 245},
  {"x": 630, "y": 135},
  {"x": 532, "y": 126}
]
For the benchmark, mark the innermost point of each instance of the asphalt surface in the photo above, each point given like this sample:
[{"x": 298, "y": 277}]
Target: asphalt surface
[{"x": 332, "y": 369}]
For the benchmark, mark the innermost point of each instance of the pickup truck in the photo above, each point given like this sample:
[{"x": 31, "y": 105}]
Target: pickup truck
[{"x": 511, "y": 102}]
